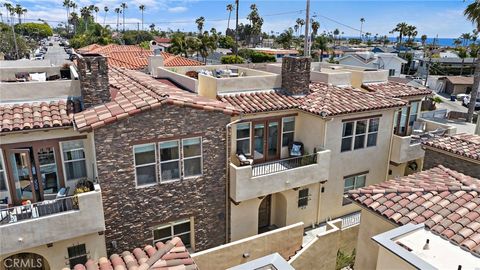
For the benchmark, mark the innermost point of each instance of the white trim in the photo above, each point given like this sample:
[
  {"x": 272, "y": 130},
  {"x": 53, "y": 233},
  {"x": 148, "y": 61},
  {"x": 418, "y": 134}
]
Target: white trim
[
  {"x": 3, "y": 171},
  {"x": 249, "y": 137},
  {"x": 144, "y": 165},
  {"x": 62, "y": 157},
  {"x": 192, "y": 157},
  {"x": 178, "y": 161},
  {"x": 171, "y": 225},
  {"x": 287, "y": 132}
]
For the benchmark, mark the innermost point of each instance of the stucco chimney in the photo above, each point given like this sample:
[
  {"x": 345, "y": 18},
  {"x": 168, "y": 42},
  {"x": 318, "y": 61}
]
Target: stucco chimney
[
  {"x": 296, "y": 75},
  {"x": 93, "y": 73}
]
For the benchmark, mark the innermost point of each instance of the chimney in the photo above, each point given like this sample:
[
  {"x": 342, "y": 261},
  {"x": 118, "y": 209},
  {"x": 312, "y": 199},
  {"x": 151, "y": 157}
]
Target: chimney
[
  {"x": 155, "y": 61},
  {"x": 296, "y": 75},
  {"x": 93, "y": 73}
]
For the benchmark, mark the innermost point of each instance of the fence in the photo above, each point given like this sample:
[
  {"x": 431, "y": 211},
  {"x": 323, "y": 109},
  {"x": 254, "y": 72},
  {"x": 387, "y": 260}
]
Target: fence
[{"x": 283, "y": 165}]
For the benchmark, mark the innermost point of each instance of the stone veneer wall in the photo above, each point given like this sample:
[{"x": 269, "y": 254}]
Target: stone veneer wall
[
  {"x": 434, "y": 158},
  {"x": 93, "y": 72},
  {"x": 130, "y": 212},
  {"x": 296, "y": 75}
]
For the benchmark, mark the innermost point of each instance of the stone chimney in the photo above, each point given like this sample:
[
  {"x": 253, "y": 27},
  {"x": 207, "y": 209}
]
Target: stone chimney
[
  {"x": 296, "y": 75},
  {"x": 93, "y": 73}
]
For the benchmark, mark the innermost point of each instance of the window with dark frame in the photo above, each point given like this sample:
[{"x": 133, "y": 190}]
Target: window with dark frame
[
  {"x": 166, "y": 232},
  {"x": 288, "y": 130},
  {"x": 351, "y": 183},
  {"x": 77, "y": 255},
  {"x": 359, "y": 134},
  {"x": 243, "y": 138},
  {"x": 3, "y": 179},
  {"x": 303, "y": 198}
]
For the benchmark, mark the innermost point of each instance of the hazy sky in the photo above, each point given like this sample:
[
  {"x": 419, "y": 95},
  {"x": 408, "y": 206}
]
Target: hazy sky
[{"x": 444, "y": 18}]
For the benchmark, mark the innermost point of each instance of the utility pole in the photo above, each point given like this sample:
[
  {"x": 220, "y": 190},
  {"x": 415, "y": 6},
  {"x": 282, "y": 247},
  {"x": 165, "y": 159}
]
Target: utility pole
[
  {"x": 430, "y": 60},
  {"x": 306, "y": 51},
  {"x": 236, "y": 29}
]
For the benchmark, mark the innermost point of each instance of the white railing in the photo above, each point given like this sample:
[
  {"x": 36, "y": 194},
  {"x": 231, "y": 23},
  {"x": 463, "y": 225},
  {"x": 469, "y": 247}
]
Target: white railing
[{"x": 351, "y": 220}]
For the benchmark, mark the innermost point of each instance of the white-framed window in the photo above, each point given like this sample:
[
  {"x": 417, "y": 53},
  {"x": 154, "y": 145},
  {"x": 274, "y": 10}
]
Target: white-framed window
[
  {"x": 359, "y": 134},
  {"x": 145, "y": 164},
  {"x": 181, "y": 229},
  {"x": 303, "y": 198},
  {"x": 3, "y": 176},
  {"x": 352, "y": 182},
  {"x": 192, "y": 156},
  {"x": 77, "y": 254},
  {"x": 288, "y": 130},
  {"x": 169, "y": 160},
  {"x": 243, "y": 138},
  {"x": 74, "y": 162}
]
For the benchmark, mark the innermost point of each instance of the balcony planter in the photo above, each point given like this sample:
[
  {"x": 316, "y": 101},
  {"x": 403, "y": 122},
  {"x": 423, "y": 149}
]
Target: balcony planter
[{"x": 65, "y": 72}]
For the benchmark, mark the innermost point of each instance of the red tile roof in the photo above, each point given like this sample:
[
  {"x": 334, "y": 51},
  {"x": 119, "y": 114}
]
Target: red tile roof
[
  {"x": 34, "y": 115},
  {"x": 137, "y": 92},
  {"x": 463, "y": 144},
  {"x": 323, "y": 99},
  {"x": 89, "y": 48},
  {"x": 170, "y": 256},
  {"x": 447, "y": 202},
  {"x": 396, "y": 89},
  {"x": 163, "y": 40}
]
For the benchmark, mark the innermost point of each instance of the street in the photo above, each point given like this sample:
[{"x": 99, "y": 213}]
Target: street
[{"x": 56, "y": 54}]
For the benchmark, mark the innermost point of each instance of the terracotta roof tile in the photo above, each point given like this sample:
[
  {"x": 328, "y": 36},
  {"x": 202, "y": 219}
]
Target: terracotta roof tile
[
  {"x": 137, "y": 92},
  {"x": 463, "y": 144},
  {"x": 451, "y": 213},
  {"x": 34, "y": 115},
  {"x": 169, "y": 256},
  {"x": 396, "y": 89}
]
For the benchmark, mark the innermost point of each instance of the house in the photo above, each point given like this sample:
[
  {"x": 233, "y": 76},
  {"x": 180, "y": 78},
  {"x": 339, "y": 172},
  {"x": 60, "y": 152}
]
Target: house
[
  {"x": 327, "y": 54},
  {"x": 163, "y": 43},
  {"x": 446, "y": 66},
  {"x": 385, "y": 50},
  {"x": 443, "y": 201},
  {"x": 459, "y": 151},
  {"x": 150, "y": 139},
  {"x": 387, "y": 61},
  {"x": 455, "y": 85},
  {"x": 44, "y": 161},
  {"x": 278, "y": 53}
]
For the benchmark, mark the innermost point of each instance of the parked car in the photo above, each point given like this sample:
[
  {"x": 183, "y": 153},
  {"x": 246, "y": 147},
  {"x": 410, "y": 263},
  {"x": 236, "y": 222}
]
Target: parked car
[
  {"x": 50, "y": 44},
  {"x": 466, "y": 102},
  {"x": 39, "y": 56}
]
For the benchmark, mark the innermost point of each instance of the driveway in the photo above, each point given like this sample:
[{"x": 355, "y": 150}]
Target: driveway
[{"x": 450, "y": 105}]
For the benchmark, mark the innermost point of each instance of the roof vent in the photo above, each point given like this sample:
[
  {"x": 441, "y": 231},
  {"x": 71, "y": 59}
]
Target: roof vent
[{"x": 427, "y": 245}]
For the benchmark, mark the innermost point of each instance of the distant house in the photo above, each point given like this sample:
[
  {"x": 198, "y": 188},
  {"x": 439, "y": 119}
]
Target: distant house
[
  {"x": 447, "y": 65},
  {"x": 384, "y": 50},
  {"x": 326, "y": 54},
  {"x": 278, "y": 53},
  {"x": 455, "y": 85},
  {"x": 387, "y": 61}
]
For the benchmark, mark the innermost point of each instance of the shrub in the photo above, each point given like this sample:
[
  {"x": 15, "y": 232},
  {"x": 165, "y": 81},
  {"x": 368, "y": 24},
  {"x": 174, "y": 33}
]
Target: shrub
[
  {"x": 34, "y": 30},
  {"x": 231, "y": 59},
  {"x": 259, "y": 57}
]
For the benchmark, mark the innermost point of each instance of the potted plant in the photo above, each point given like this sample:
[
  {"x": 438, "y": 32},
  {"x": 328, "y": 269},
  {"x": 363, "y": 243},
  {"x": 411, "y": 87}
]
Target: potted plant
[{"x": 65, "y": 71}]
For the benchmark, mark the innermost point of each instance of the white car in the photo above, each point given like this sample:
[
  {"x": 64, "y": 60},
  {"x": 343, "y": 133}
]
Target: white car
[
  {"x": 39, "y": 56},
  {"x": 466, "y": 101}
]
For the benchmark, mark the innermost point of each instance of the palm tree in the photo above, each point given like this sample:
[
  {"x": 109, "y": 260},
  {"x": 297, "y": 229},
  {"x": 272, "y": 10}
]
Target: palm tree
[
  {"x": 321, "y": 43},
  {"x": 96, "y": 9},
  {"x": 105, "y": 17},
  {"x": 200, "y": 22},
  {"x": 362, "y": 20},
  {"x": 472, "y": 12},
  {"x": 229, "y": 9},
  {"x": 465, "y": 38},
  {"x": 123, "y": 6},
  {"x": 462, "y": 53},
  {"x": 74, "y": 6},
  {"x": 315, "y": 27},
  {"x": 74, "y": 20},
  {"x": 424, "y": 40},
  {"x": 142, "y": 9},
  {"x": 118, "y": 11},
  {"x": 336, "y": 32},
  {"x": 179, "y": 45},
  {"x": 67, "y": 4},
  {"x": 85, "y": 14},
  {"x": 401, "y": 28},
  {"x": 299, "y": 23},
  {"x": 19, "y": 10}
]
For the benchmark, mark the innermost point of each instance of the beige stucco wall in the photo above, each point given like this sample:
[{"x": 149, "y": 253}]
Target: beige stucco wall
[
  {"x": 21, "y": 91},
  {"x": 374, "y": 159},
  {"x": 403, "y": 150},
  {"x": 286, "y": 241},
  {"x": 389, "y": 261},
  {"x": 57, "y": 254},
  {"x": 321, "y": 252},
  {"x": 8, "y": 73},
  {"x": 367, "y": 249}
]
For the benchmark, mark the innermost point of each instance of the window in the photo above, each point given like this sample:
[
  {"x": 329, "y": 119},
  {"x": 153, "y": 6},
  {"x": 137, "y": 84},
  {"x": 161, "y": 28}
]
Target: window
[
  {"x": 77, "y": 255},
  {"x": 243, "y": 138},
  {"x": 288, "y": 126},
  {"x": 359, "y": 134},
  {"x": 169, "y": 160},
  {"x": 74, "y": 160},
  {"x": 145, "y": 164},
  {"x": 48, "y": 169},
  {"x": 352, "y": 182},
  {"x": 413, "y": 112},
  {"x": 166, "y": 232},
  {"x": 303, "y": 198},
  {"x": 3, "y": 180},
  {"x": 391, "y": 72},
  {"x": 192, "y": 157}
]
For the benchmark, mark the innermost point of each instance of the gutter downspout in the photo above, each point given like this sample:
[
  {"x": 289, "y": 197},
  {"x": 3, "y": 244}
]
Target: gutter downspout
[
  {"x": 391, "y": 142},
  {"x": 321, "y": 184},
  {"x": 227, "y": 186}
]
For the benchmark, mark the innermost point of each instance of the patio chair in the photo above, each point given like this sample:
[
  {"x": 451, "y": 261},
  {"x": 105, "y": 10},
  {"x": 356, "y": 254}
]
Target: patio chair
[
  {"x": 438, "y": 132},
  {"x": 296, "y": 149},
  {"x": 418, "y": 128},
  {"x": 62, "y": 193},
  {"x": 243, "y": 159}
]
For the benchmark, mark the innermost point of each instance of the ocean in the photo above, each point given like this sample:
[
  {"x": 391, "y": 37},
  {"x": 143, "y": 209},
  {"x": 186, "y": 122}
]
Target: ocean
[{"x": 438, "y": 41}]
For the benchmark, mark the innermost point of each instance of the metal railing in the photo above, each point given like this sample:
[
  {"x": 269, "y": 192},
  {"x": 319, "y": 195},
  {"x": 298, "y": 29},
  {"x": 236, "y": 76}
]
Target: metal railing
[
  {"x": 35, "y": 210},
  {"x": 351, "y": 220},
  {"x": 283, "y": 164}
]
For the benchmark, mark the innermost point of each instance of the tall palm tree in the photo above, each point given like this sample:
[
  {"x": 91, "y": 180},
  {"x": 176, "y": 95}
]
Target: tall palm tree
[
  {"x": 74, "y": 20},
  {"x": 142, "y": 9},
  {"x": 123, "y": 6},
  {"x": 424, "y": 40},
  {"x": 401, "y": 28},
  {"x": 472, "y": 12},
  {"x": 200, "y": 23},
  {"x": 315, "y": 27},
  {"x": 67, "y": 4},
  {"x": 118, "y": 11},
  {"x": 19, "y": 10},
  {"x": 74, "y": 6},
  {"x": 105, "y": 17},
  {"x": 85, "y": 14},
  {"x": 321, "y": 43},
  {"x": 96, "y": 9},
  {"x": 362, "y": 20},
  {"x": 229, "y": 9}
]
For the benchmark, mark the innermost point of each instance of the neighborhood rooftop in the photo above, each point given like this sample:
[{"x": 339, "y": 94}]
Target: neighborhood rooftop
[
  {"x": 396, "y": 89},
  {"x": 447, "y": 201},
  {"x": 463, "y": 144}
]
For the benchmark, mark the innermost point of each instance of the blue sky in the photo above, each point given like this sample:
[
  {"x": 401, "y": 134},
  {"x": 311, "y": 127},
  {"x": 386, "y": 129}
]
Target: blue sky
[{"x": 444, "y": 18}]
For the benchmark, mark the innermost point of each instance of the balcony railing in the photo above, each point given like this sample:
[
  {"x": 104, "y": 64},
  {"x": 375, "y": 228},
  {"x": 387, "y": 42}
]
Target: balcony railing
[
  {"x": 283, "y": 165},
  {"x": 39, "y": 209}
]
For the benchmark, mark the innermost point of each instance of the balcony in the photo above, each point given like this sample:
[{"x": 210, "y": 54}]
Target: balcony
[
  {"x": 247, "y": 182},
  {"x": 32, "y": 225}
]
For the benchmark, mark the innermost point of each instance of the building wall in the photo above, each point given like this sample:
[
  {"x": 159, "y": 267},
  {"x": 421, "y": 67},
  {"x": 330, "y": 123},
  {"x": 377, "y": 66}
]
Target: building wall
[
  {"x": 434, "y": 158},
  {"x": 388, "y": 260},
  {"x": 57, "y": 254},
  {"x": 374, "y": 160},
  {"x": 131, "y": 212},
  {"x": 367, "y": 249}
]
